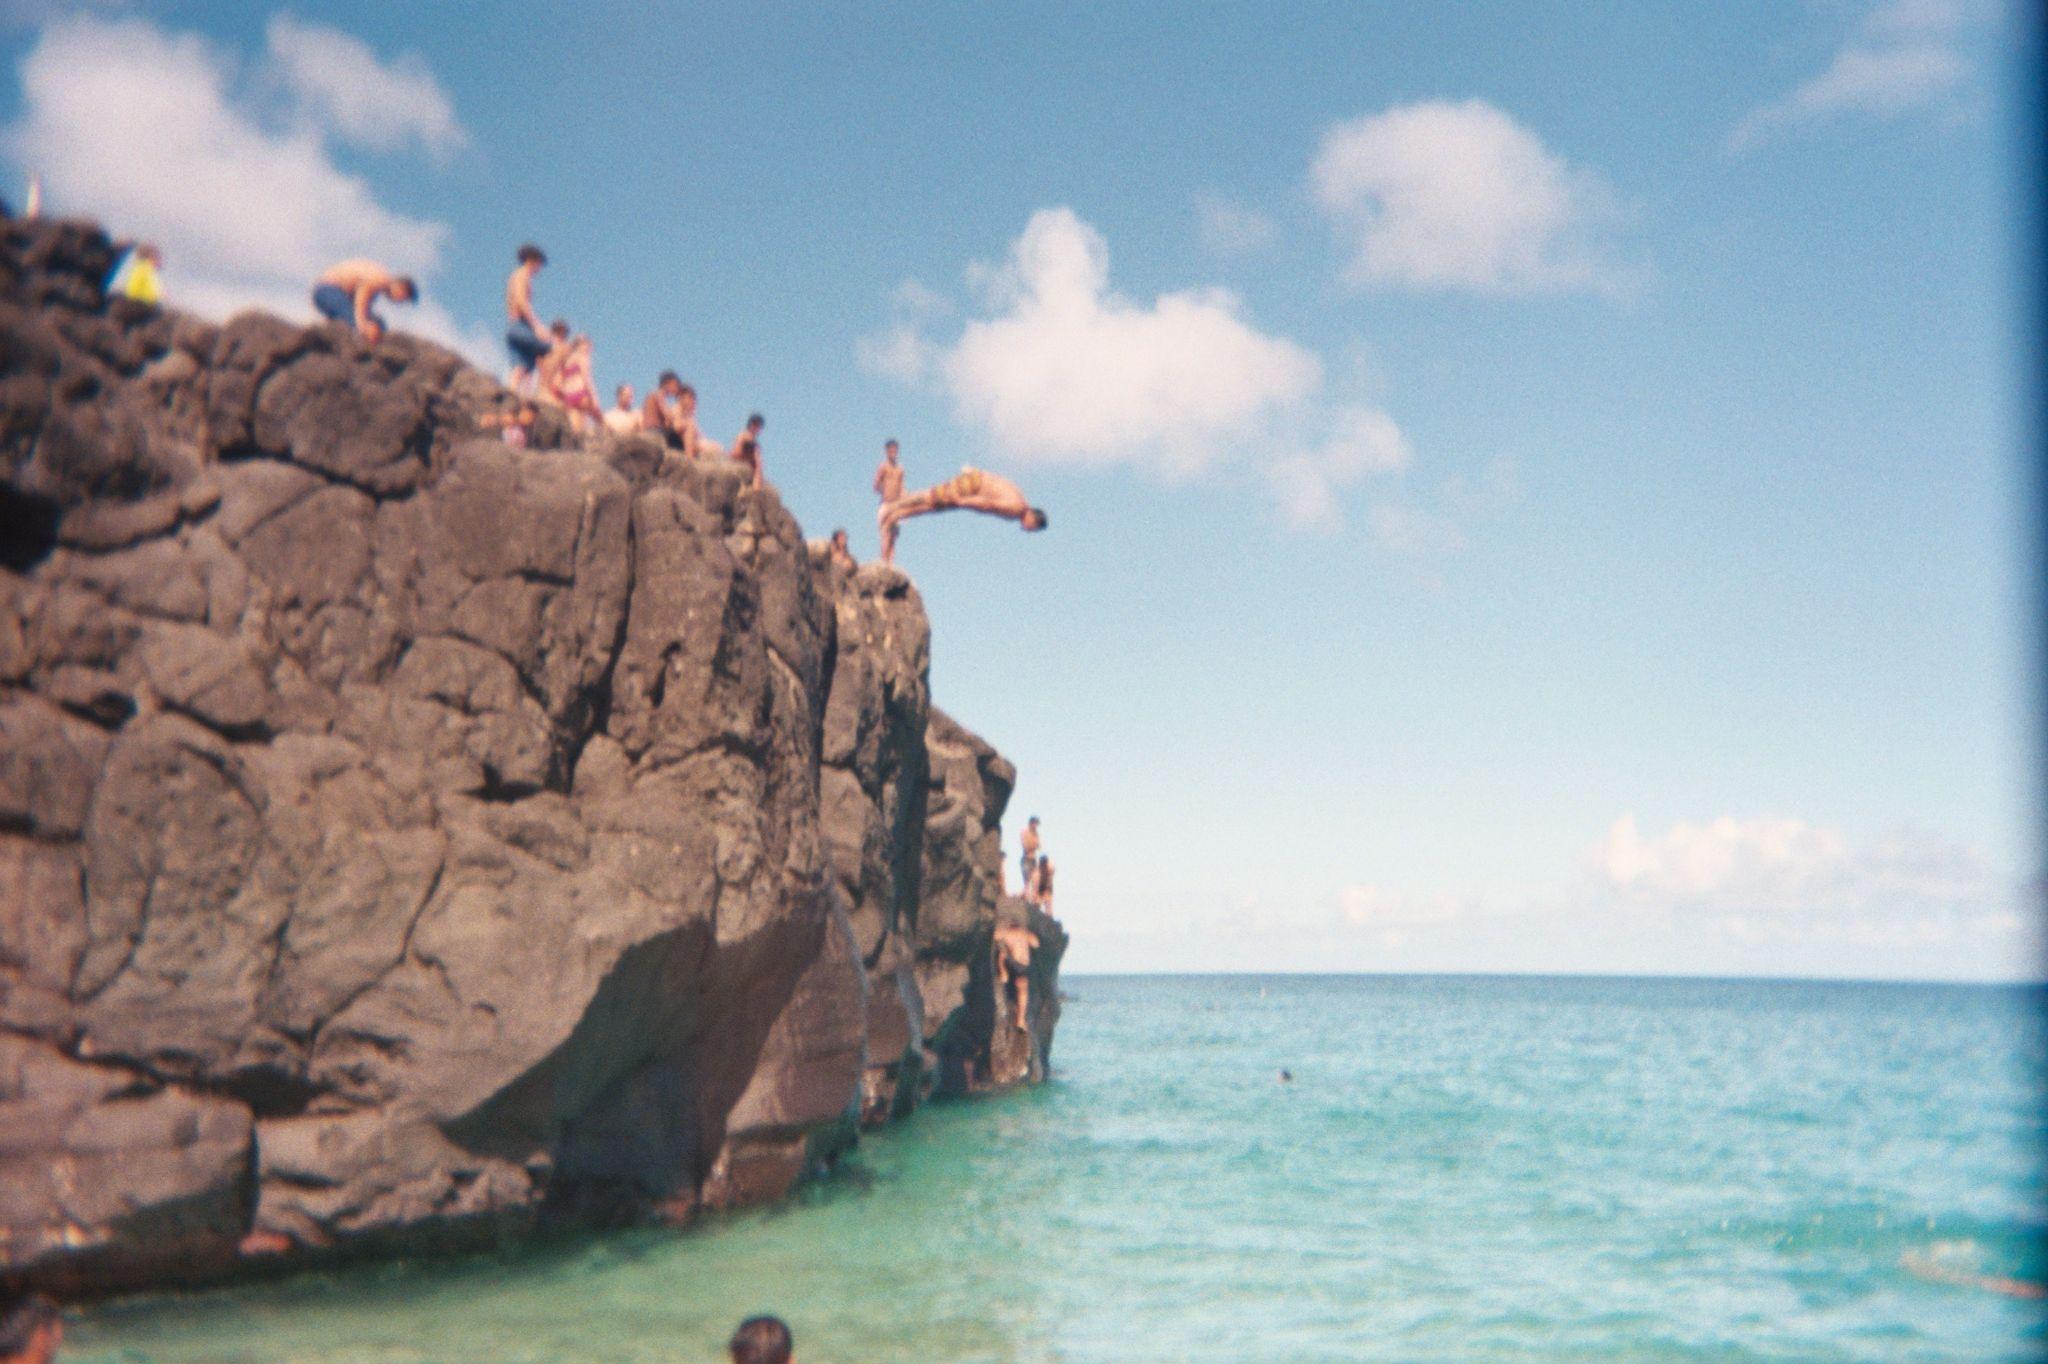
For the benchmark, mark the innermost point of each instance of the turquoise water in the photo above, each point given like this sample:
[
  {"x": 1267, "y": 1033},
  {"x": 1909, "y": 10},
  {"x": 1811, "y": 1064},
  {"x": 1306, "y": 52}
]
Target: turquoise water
[{"x": 1463, "y": 1168}]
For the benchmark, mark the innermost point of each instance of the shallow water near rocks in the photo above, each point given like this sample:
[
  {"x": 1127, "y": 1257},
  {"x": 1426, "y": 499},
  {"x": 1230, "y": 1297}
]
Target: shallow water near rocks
[{"x": 1462, "y": 1168}]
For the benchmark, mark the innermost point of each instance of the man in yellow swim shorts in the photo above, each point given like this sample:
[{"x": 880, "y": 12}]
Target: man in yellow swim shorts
[{"x": 969, "y": 490}]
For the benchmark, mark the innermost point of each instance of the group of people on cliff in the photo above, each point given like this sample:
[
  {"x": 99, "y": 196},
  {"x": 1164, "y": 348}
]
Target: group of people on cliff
[{"x": 552, "y": 366}]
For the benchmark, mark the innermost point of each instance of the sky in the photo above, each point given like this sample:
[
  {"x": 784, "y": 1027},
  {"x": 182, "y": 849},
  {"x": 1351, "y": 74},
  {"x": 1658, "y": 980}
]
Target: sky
[{"x": 1533, "y": 487}]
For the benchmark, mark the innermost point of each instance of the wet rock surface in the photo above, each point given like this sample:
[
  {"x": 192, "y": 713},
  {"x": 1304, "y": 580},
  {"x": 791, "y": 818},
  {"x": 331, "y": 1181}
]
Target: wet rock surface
[{"x": 404, "y": 836}]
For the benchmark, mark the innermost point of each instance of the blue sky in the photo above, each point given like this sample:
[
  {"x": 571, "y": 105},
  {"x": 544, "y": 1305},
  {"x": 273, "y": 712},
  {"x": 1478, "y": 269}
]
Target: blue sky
[{"x": 1534, "y": 487}]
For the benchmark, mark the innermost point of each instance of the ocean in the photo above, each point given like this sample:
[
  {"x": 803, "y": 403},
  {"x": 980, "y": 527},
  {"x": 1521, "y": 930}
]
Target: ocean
[{"x": 1462, "y": 1168}]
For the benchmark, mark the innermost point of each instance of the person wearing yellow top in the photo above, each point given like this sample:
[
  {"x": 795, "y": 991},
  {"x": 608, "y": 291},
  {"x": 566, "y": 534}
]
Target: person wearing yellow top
[{"x": 137, "y": 275}]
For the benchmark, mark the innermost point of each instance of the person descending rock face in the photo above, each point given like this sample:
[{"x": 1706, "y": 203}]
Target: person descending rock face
[
  {"x": 1029, "y": 838},
  {"x": 31, "y": 1329},
  {"x": 525, "y": 338},
  {"x": 969, "y": 490},
  {"x": 348, "y": 290},
  {"x": 889, "y": 475},
  {"x": 746, "y": 446},
  {"x": 762, "y": 1340},
  {"x": 1013, "y": 946}
]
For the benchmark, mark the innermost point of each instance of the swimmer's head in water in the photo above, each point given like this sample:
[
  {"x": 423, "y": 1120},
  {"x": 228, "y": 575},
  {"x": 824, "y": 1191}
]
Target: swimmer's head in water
[{"x": 1034, "y": 518}]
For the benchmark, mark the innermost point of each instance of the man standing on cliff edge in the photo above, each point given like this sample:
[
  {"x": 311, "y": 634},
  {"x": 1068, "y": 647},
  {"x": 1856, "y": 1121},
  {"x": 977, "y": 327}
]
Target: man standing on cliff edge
[{"x": 969, "y": 490}]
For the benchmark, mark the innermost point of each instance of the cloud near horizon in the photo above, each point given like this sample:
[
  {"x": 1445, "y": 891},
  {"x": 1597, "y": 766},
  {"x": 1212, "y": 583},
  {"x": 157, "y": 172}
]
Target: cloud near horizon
[
  {"x": 1906, "y": 58},
  {"x": 1784, "y": 879},
  {"x": 1061, "y": 370},
  {"x": 162, "y": 135},
  {"x": 1459, "y": 196}
]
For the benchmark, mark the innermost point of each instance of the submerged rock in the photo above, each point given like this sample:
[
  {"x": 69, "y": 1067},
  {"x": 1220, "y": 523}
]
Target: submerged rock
[{"x": 404, "y": 836}]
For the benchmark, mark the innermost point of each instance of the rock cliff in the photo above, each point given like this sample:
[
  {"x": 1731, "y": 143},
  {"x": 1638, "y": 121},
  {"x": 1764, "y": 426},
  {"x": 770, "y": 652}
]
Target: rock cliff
[{"x": 404, "y": 836}]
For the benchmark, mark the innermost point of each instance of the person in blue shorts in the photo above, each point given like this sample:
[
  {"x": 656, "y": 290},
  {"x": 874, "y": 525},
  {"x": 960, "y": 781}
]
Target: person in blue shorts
[
  {"x": 525, "y": 338},
  {"x": 348, "y": 291}
]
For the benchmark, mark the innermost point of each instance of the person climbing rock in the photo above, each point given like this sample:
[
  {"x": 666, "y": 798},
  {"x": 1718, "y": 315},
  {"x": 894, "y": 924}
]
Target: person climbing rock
[
  {"x": 349, "y": 291},
  {"x": 1014, "y": 943}
]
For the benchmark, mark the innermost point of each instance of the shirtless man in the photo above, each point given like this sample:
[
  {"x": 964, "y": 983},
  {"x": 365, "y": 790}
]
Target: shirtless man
[
  {"x": 1013, "y": 945},
  {"x": 347, "y": 291},
  {"x": 622, "y": 418},
  {"x": 661, "y": 412},
  {"x": 695, "y": 444},
  {"x": 525, "y": 338},
  {"x": 1031, "y": 845},
  {"x": 746, "y": 446},
  {"x": 970, "y": 490},
  {"x": 889, "y": 475}
]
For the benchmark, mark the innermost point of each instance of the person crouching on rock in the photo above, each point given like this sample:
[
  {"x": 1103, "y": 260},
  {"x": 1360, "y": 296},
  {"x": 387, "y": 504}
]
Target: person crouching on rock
[
  {"x": 1013, "y": 946},
  {"x": 762, "y": 1340},
  {"x": 31, "y": 1329},
  {"x": 347, "y": 292}
]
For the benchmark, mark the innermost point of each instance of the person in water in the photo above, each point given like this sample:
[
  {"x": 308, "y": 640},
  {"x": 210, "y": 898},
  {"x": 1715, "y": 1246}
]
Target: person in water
[
  {"x": 31, "y": 1329},
  {"x": 1013, "y": 946},
  {"x": 762, "y": 1340},
  {"x": 969, "y": 490},
  {"x": 525, "y": 338},
  {"x": 1029, "y": 838},
  {"x": 746, "y": 446},
  {"x": 889, "y": 474},
  {"x": 349, "y": 291}
]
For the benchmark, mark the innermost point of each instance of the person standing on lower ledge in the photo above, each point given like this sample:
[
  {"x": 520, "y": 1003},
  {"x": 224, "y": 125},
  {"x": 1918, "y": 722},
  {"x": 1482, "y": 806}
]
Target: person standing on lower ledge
[
  {"x": 971, "y": 489},
  {"x": 762, "y": 1340}
]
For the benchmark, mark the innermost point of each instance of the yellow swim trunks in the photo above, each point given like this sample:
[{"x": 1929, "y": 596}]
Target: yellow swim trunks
[{"x": 960, "y": 487}]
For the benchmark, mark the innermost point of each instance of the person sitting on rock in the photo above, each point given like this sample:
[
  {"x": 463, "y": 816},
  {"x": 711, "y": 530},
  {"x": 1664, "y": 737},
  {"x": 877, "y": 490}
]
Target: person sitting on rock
[
  {"x": 1040, "y": 891},
  {"x": 746, "y": 446},
  {"x": 347, "y": 292},
  {"x": 762, "y": 1340},
  {"x": 663, "y": 410},
  {"x": 696, "y": 445},
  {"x": 622, "y": 418},
  {"x": 969, "y": 490},
  {"x": 842, "y": 553},
  {"x": 31, "y": 1329},
  {"x": 514, "y": 424},
  {"x": 525, "y": 338},
  {"x": 889, "y": 474},
  {"x": 137, "y": 276},
  {"x": 1014, "y": 943}
]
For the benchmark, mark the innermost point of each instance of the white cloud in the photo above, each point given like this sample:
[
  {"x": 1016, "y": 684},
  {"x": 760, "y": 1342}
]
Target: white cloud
[
  {"x": 1066, "y": 371},
  {"x": 343, "y": 86},
  {"x": 1362, "y": 441},
  {"x": 1906, "y": 58},
  {"x": 1440, "y": 195},
  {"x": 1233, "y": 229},
  {"x": 155, "y": 133},
  {"x": 1784, "y": 879},
  {"x": 1394, "y": 914}
]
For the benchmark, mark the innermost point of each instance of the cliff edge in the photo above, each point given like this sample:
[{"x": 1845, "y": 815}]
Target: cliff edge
[{"x": 404, "y": 836}]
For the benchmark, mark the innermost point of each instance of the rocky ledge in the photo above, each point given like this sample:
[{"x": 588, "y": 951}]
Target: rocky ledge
[{"x": 404, "y": 837}]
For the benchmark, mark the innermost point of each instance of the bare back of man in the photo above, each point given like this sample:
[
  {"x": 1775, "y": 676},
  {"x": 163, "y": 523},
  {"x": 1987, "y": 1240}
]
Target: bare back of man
[
  {"x": 971, "y": 489},
  {"x": 1013, "y": 946}
]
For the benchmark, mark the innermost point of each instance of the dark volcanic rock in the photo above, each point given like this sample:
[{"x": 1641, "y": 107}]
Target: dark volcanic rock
[{"x": 403, "y": 835}]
